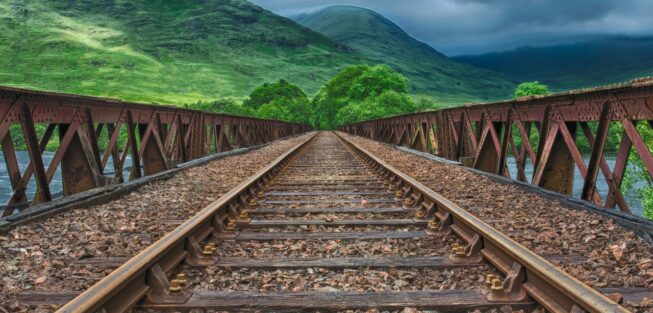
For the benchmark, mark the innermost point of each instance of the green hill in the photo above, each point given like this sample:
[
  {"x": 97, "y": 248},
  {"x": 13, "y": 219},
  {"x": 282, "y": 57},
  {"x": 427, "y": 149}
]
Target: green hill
[
  {"x": 428, "y": 71},
  {"x": 159, "y": 51},
  {"x": 576, "y": 65}
]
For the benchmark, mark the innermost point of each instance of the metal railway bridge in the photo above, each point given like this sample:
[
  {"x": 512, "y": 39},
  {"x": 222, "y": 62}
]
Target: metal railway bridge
[{"x": 93, "y": 134}]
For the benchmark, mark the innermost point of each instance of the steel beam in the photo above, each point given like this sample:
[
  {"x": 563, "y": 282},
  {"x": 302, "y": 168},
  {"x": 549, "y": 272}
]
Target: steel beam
[
  {"x": 157, "y": 138},
  {"x": 556, "y": 154}
]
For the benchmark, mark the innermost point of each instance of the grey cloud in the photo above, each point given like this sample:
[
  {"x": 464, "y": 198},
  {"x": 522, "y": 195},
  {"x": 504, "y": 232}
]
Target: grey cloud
[{"x": 476, "y": 26}]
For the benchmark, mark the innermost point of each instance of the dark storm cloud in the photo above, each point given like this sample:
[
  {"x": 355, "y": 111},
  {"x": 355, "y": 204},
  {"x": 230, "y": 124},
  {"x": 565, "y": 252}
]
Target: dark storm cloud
[{"x": 474, "y": 26}]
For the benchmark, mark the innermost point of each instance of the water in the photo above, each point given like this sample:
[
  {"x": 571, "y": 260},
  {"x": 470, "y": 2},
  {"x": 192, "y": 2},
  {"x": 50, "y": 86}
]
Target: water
[
  {"x": 601, "y": 184},
  {"x": 56, "y": 186}
]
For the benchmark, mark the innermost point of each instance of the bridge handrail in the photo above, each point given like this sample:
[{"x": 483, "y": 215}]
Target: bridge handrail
[
  {"x": 92, "y": 130},
  {"x": 475, "y": 134}
]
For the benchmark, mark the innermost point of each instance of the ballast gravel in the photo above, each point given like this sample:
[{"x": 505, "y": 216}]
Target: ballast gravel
[{"x": 44, "y": 255}]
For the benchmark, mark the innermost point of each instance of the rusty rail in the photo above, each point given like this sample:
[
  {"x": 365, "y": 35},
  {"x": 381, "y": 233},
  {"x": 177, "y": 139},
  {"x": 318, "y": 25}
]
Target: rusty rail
[
  {"x": 143, "y": 280},
  {"x": 526, "y": 273},
  {"x": 89, "y": 132},
  {"x": 484, "y": 135},
  {"x": 144, "y": 276}
]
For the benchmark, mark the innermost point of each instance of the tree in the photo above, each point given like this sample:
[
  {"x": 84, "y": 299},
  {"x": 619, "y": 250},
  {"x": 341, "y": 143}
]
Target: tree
[
  {"x": 376, "y": 80},
  {"x": 531, "y": 89},
  {"x": 296, "y": 110},
  {"x": 280, "y": 100},
  {"x": 424, "y": 103},
  {"x": 351, "y": 90},
  {"x": 226, "y": 105},
  {"x": 387, "y": 103},
  {"x": 269, "y": 92},
  {"x": 637, "y": 176}
]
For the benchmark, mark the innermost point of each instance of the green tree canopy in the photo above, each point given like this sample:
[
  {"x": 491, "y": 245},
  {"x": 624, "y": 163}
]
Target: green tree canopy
[
  {"x": 280, "y": 100},
  {"x": 226, "y": 105},
  {"x": 387, "y": 103},
  {"x": 377, "y": 80},
  {"x": 351, "y": 89},
  {"x": 297, "y": 110},
  {"x": 531, "y": 89},
  {"x": 268, "y": 93}
]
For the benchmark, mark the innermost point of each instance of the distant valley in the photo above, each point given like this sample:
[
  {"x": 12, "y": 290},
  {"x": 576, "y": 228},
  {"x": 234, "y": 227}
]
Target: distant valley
[{"x": 575, "y": 65}]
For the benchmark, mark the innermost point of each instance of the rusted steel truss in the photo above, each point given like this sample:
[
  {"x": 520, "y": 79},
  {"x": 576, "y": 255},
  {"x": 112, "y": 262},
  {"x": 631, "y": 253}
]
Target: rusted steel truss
[
  {"x": 93, "y": 133},
  {"x": 483, "y": 136}
]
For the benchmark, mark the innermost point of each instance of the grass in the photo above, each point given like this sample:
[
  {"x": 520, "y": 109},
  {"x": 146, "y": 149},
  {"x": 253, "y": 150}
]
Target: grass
[
  {"x": 175, "y": 52},
  {"x": 157, "y": 51}
]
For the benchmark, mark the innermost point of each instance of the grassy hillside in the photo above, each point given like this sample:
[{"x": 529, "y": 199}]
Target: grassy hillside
[
  {"x": 159, "y": 51},
  {"x": 428, "y": 71},
  {"x": 572, "y": 66}
]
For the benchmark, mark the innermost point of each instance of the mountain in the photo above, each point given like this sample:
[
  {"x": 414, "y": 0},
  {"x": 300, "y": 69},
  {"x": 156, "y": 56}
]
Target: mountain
[
  {"x": 158, "y": 50},
  {"x": 575, "y": 65},
  {"x": 429, "y": 71}
]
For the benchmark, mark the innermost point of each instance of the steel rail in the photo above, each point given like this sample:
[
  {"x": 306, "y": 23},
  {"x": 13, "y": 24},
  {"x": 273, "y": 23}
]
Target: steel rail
[
  {"x": 132, "y": 281},
  {"x": 525, "y": 271}
]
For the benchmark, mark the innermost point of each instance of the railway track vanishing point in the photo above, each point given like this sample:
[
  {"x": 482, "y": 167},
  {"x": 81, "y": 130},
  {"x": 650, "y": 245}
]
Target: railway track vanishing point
[{"x": 369, "y": 227}]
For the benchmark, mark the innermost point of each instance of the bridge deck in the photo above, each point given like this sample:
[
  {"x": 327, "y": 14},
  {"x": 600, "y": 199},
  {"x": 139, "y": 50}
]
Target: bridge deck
[{"x": 48, "y": 256}]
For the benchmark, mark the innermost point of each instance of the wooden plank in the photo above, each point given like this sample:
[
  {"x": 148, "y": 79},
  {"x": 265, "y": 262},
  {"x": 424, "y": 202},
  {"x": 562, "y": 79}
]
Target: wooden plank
[
  {"x": 340, "y": 263},
  {"x": 442, "y": 301},
  {"x": 298, "y": 179},
  {"x": 329, "y": 187},
  {"x": 300, "y": 202},
  {"x": 46, "y": 297},
  {"x": 321, "y": 222},
  {"x": 294, "y": 211},
  {"x": 324, "y": 193},
  {"x": 422, "y": 299},
  {"x": 331, "y": 235},
  {"x": 394, "y": 262},
  {"x": 110, "y": 262}
]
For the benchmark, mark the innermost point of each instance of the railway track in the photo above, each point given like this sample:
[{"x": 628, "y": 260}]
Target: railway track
[{"x": 329, "y": 227}]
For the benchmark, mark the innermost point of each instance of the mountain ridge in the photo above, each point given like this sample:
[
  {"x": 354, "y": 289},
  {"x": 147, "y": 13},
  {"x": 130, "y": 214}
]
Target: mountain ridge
[
  {"x": 568, "y": 66},
  {"x": 160, "y": 51},
  {"x": 186, "y": 51},
  {"x": 429, "y": 71}
]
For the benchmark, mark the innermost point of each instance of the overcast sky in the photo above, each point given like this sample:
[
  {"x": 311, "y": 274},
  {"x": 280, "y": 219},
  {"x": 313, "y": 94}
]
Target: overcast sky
[{"x": 476, "y": 26}]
